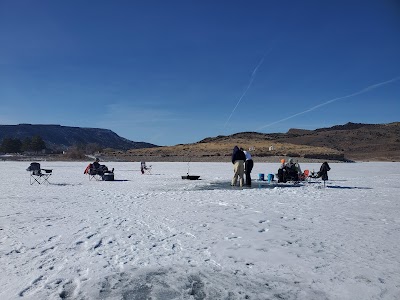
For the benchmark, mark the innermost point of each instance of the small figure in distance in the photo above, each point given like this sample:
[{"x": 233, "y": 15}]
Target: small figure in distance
[
  {"x": 238, "y": 159},
  {"x": 144, "y": 168}
]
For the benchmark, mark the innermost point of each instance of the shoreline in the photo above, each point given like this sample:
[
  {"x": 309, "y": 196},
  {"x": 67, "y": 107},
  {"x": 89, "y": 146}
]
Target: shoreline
[{"x": 104, "y": 157}]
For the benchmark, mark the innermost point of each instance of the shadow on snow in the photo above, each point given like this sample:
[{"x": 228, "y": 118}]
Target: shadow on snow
[{"x": 225, "y": 185}]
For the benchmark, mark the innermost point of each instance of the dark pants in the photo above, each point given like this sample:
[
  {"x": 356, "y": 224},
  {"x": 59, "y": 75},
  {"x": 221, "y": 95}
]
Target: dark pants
[
  {"x": 248, "y": 165},
  {"x": 281, "y": 175}
]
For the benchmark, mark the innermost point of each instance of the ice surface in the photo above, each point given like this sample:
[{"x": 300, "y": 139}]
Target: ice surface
[{"x": 160, "y": 237}]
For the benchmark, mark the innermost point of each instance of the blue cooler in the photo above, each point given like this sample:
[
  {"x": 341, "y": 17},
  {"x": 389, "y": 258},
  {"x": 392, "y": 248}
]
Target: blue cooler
[
  {"x": 270, "y": 178},
  {"x": 261, "y": 177}
]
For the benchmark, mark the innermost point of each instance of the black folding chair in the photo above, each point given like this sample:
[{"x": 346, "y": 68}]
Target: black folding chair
[
  {"x": 39, "y": 175},
  {"x": 95, "y": 174}
]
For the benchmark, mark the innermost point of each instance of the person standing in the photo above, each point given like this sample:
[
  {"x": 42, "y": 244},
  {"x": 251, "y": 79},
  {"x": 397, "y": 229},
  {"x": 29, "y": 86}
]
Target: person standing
[
  {"x": 323, "y": 171},
  {"x": 238, "y": 159},
  {"x": 248, "y": 166}
]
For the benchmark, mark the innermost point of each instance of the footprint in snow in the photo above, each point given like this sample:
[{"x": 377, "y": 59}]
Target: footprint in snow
[{"x": 31, "y": 288}]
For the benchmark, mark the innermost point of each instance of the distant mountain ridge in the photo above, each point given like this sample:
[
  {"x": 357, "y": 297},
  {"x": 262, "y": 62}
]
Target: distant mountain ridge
[
  {"x": 348, "y": 142},
  {"x": 63, "y": 137},
  {"x": 356, "y": 141}
]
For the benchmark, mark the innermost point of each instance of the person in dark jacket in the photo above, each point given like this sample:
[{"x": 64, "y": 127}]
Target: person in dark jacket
[
  {"x": 96, "y": 163},
  {"x": 238, "y": 159},
  {"x": 291, "y": 171},
  {"x": 282, "y": 171},
  {"x": 323, "y": 171},
  {"x": 248, "y": 166},
  {"x": 98, "y": 168}
]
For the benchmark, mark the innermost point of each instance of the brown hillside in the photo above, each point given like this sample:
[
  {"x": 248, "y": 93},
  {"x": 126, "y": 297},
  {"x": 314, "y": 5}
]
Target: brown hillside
[
  {"x": 221, "y": 151},
  {"x": 355, "y": 141},
  {"x": 351, "y": 141}
]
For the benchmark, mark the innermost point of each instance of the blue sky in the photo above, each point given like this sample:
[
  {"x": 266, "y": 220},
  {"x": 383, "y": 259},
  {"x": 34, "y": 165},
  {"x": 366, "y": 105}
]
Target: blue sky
[{"x": 170, "y": 72}]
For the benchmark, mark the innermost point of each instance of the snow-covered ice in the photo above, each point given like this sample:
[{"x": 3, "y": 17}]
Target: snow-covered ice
[{"x": 160, "y": 237}]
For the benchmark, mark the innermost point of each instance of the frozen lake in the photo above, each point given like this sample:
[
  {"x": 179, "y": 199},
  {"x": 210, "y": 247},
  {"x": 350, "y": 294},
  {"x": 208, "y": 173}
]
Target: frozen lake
[{"x": 160, "y": 237}]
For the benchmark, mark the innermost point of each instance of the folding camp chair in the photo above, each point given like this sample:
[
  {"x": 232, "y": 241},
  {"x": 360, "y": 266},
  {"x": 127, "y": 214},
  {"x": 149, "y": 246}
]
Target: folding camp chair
[
  {"x": 96, "y": 174},
  {"x": 305, "y": 176},
  {"x": 101, "y": 173},
  {"x": 144, "y": 168},
  {"x": 38, "y": 174}
]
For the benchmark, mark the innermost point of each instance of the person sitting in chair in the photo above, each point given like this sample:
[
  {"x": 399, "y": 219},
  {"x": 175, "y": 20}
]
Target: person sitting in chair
[
  {"x": 144, "y": 167},
  {"x": 98, "y": 168},
  {"x": 282, "y": 171},
  {"x": 288, "y": 171},
  {"x": 292, "y": 171},
  {"x": 298, "y": 168},
  {"x": 96, "y": 164}
]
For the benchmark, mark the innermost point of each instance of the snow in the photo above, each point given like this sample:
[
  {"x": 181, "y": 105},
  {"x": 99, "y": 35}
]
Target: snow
[{"x": 160, "y": 237}]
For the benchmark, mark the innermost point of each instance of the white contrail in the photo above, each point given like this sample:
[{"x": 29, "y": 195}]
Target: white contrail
[
  {"x": 253, "y": 75},
  {"x": 369, "y": 88}
]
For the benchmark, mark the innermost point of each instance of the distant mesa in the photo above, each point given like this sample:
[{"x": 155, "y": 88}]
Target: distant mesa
[
  {"x": 63, "y": 137},
  {"x": 296, "y": 131}
]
